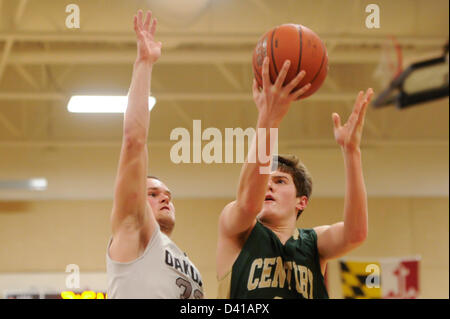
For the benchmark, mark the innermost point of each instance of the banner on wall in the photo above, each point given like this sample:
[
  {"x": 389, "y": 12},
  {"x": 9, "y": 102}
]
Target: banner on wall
[{"x": 386, "y": 278}]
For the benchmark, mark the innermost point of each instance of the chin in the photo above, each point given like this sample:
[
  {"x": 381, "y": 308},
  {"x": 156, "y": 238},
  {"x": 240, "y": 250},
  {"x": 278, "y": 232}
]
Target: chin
[
  {"x": 266, "y": 214},
  {"x": 166, "y": 223}
]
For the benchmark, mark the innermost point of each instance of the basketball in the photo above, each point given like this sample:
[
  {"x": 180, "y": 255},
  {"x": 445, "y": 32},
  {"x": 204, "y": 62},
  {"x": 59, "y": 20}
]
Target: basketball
[{"x": 298, "y": 44}]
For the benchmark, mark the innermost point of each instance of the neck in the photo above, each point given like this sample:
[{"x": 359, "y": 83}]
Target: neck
[
  {"x": 165, "y": 230},
  {"x": 283, "y": 231}
]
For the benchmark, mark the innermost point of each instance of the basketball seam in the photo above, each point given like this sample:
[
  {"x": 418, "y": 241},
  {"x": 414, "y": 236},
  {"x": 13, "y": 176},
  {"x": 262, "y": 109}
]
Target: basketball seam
[
  {"x": 301, "y": 49},
  {"x": 255, "y": 71},
  {"x": 321, "y": 63},
  {"x": 273, "y": 57}
]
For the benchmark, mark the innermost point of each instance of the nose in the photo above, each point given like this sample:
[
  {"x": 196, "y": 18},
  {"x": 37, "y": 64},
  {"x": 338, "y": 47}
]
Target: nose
[
  {"x": 270, "y": 186},
  {"x": 164, "y": 199}
]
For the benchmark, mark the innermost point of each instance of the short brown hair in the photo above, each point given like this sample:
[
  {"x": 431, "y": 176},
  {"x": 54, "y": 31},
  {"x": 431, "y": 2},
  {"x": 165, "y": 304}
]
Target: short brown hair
[{"x": 292, "y": 165}]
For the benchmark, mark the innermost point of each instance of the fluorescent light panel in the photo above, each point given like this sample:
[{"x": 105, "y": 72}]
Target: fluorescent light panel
[
  {"x": 101, "y": 104},
  {"x": 33, "y": 184}
]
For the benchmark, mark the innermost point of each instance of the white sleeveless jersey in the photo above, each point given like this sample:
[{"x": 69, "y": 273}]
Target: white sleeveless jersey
[{"x": 163, "y": 271}]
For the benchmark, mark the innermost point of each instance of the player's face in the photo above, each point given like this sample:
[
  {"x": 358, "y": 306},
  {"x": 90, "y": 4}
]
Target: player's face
[
  {"x": 160, "y": 200},
  {"x": 281, "y": 196}
]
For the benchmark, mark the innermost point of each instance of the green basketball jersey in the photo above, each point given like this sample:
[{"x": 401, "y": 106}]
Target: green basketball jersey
[{"x": 266, "y": 268}]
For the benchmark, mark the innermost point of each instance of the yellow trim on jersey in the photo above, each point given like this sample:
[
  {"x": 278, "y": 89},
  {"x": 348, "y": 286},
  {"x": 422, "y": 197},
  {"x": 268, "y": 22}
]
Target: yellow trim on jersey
[{"x": 224, "y": 286}]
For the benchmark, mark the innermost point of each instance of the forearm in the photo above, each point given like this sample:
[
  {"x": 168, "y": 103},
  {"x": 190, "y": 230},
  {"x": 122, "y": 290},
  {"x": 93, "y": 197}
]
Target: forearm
[
  {"x": 137, "y": 115},
  {"x": 253, "y": 181},
  {"x": 130, "y": 188},
  {"x": 355, "y": 205}
]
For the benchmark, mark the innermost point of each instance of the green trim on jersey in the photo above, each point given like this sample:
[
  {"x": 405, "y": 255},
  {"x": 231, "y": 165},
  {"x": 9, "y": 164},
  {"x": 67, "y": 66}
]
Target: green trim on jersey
[{"x": 266, "y": 268}]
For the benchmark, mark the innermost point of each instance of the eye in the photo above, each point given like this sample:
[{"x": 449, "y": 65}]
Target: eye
[
  {"x": 152, "y": 194},
  {"x": 281, "y": 181}
]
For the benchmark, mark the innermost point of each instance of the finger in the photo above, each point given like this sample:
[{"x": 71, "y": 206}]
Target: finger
[
  {"x": 265, "y": 74},
  {"x": 295, "y": 81},
  {"x": 282, "y": 75},
  {"x": 356, "y": 108},
  {"x": 148, "y": 18},
  {"x": 359, "y": 100},
  {"x": 365, "y": 104},
  {"x": 255, "y": 88},
  {"x": 336, "y": 120},
  {"x": 136, "y": 29},
  {"x": 153, "y": 28},
  {"x": 300, "y": 91},
  {"x": 140, "y": 14}
]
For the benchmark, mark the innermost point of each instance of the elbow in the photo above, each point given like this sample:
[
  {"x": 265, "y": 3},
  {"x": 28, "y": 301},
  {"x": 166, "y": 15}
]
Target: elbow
[{"x": 358, "y": 238}]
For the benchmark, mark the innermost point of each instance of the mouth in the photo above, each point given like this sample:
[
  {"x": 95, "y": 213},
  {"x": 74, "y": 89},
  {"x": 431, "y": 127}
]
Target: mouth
[
  {"x": 269, "y": 198},
  {"x": 165, "y": 208}
]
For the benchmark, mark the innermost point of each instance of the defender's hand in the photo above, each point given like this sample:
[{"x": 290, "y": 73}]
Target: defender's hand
[{"x": 148, "y": 49}]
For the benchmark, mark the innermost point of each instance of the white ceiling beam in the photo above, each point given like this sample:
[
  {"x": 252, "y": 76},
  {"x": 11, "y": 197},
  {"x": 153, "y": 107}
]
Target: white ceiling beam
[
  {"x": 26, "y": 75},
  {"x": 232, "y": 80},
  {"x": 290, "y": 144},
  {"x": 62, "y": 77},
  {"x": 19, "y": 12},
  {"x": 187, "y": 120},
  {"x": 9, "y": 126},
  {"x": 244, "y": 97},
  {"x": 5, "y": 56},
  {"x": 100, "y": 57},
  {"x": 39, "y": 96},
  {"x": 242, "y": 38}
]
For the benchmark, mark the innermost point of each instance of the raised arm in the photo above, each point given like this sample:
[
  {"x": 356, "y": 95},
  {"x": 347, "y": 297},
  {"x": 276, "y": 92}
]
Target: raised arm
[
  {"x": 131, "y": 218},
  {"x": 340, "y": 238},
  {"x": 273, "y": 102}
]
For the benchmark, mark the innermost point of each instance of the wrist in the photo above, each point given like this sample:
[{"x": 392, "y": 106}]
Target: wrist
[
  {"x": 351, "y": 151},
  {"x": 264, "y": 122},
  {"x": 143, "y": 62}
]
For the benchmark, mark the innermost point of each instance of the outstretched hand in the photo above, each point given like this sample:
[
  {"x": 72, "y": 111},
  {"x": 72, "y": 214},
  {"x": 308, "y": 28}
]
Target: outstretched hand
[
  {"x": 273, "y": 101},
  {"x": 148, "y": 49},
  {"x": 349, "y": 135}
]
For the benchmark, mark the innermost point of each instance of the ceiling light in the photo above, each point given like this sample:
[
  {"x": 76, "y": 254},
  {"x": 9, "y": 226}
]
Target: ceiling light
[{"x": 101, "y": 104}]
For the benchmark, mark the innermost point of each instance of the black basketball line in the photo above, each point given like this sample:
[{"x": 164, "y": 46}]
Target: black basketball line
[
  {"x": 273, "y": 57},
  {"x": 321, "y": 63},
  {"x": 301, "y": 47},
  {"x": 255, "y": 71}
]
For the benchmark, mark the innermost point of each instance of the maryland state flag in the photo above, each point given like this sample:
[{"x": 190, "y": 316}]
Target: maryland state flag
[{"x": 383, "y": 279}]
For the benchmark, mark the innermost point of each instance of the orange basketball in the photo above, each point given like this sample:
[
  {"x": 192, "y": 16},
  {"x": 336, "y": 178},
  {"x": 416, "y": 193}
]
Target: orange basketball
[{"x": 298, "y": 44}]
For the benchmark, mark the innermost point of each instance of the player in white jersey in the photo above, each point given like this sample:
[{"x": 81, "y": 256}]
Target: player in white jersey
[{"x": 141, "y": 260}]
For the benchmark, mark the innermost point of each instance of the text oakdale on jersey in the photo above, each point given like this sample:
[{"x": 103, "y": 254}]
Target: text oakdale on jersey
[
  {"x": 185, "y": 266},
  {"x": 212, "y": 151},
  {"x": 257, "y": 308}
]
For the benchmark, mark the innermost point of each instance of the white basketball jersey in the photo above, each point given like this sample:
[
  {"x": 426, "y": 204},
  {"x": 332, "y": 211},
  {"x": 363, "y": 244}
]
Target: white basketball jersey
[{"x": 163, "y": 271}]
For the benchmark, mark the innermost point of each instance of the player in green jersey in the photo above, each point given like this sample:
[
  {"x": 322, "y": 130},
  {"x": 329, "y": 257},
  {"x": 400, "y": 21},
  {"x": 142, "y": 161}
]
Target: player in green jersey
[{"x": 260, "y": 252}]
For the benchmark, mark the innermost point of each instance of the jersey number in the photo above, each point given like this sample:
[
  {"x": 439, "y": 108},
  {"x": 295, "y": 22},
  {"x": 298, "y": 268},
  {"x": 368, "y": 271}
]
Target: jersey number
[{"x": 187, "y": 289}]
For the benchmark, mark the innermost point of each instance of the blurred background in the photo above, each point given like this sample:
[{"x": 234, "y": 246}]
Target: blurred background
[{"x": 205, "y": 74}]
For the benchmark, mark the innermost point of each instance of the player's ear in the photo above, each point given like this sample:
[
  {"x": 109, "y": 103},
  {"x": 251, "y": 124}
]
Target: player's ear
[{"x": 302, "y": 202}]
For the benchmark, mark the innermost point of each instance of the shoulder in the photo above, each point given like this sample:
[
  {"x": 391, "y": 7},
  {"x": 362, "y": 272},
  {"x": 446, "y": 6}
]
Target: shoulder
[
  {"x": 319, "y": 230},
  {"x": 309, "y": 235}
]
